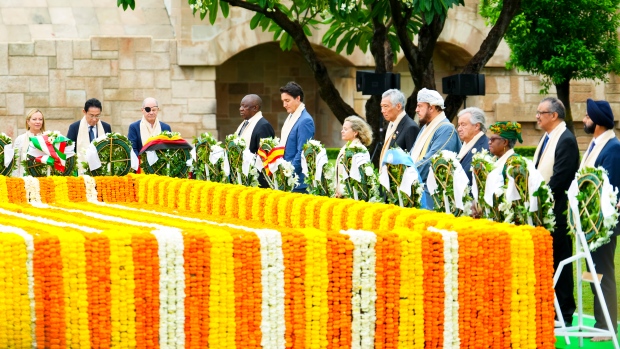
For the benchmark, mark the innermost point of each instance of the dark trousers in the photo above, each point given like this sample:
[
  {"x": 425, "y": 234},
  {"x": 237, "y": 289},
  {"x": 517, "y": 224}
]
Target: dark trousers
[
  {"x": 603, "y": 259},
  {"x": 562, "y": 249}
]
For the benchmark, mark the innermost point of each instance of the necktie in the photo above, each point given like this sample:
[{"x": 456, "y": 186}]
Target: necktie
[
  {"x": 91, "y": 133},
  {"x": 590, "y": 149},
  {"x": 245, "y": 123},
  {"x": 542, "y": 149}
]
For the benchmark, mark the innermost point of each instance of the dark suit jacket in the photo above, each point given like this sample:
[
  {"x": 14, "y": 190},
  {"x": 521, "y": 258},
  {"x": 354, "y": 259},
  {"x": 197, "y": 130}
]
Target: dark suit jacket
[
  {"x": 406, "y": 134},
  {"x": 262, "y": 129},
  {"x": 609, "y": 158},
  {"x": 74, "y": 128},
  {"x": 564, "y": 169},
  {"x": 302, "y": 131},
  {"x": 482, "y": 143},
  {"x": 134, "y": 135}
]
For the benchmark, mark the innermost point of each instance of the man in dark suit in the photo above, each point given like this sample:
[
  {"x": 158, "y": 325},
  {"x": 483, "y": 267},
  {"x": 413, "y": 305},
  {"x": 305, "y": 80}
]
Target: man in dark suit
[
  {"x": 298, "y": 128},
  {"x": 254, "y": 127},
  {"x": 557, "y": 160},
  {"x": 401, "y": 131},
  {"x": 90, "y": 127},
  {"x": 147, "y": 127},
  {"x": 471, "y": 129},
  {"x": 604, "y": 151}
]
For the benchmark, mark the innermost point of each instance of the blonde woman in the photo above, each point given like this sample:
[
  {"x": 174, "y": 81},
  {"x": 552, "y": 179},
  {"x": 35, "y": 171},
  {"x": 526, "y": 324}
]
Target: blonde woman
[
  {"x": 355, "y": 130},
  {"x": 35, "y": 125}
]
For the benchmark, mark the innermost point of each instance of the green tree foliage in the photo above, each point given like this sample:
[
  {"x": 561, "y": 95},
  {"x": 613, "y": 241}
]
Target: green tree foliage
[{"x": 563, "y": 40}]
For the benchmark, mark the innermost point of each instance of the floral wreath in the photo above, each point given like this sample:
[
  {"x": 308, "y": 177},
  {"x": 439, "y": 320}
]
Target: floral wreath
[
  {"x": 444, "y": 165},
  {"x": 6, "y": 170},
  {"x": 367, "y": 188},
  {"x": 204, "y": 167},
  {"x": 396, "y": 173},
  {"x": 114, "y": 152},
  {"x": 481, "y": 166},
  {"x": 235, "y": 147},
  {"x": 50, "y": 152},
  {"x": 279, "y": 173},
  {"x": 166, "y": 154},
  {"x": 325, "y": 186},
  {"x": 592, "y": 191}
]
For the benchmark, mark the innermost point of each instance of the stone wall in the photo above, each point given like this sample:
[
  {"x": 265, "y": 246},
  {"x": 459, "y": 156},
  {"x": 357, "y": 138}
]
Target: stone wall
[{"x": 58, "y": 76}]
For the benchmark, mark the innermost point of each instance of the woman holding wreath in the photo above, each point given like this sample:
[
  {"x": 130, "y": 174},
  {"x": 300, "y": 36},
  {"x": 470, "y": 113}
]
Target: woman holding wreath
[
  {"x": 502, "y": 142},
  {"x": 35, "y": 125},
  {"x": 355, "y": 130}
]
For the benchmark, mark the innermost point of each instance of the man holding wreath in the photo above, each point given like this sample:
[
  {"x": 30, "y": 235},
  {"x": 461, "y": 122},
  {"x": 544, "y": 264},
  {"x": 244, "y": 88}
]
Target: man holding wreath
[{"x": 604, "y": 151}]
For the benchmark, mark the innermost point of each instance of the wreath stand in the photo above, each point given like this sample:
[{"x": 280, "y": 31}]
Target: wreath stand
[{"x": 581, "y": 331}]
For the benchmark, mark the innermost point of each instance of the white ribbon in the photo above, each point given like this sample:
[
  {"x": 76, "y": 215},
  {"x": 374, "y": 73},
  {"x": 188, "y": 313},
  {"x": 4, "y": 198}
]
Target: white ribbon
[
  {"x": 459, "y": 182},
  {"x": 358, "y": 160},
  {"x": 304, "y": 166},
  {"x": 534, "y": 182},
  {"x": 608, "y": 190},
  {"x": 151, "y": 157},
  {"x": 134, "y": 160},
  {"x": 248, "y": 158},
  {"x": 9, "y": 154},
  {"x": 431, "y": 182},
  {"x": 512, "y": 193},
  {"x": 384, "y": 178},
  {"x": 321, "y": 160},
  {"x": 92, "y": 157},
  {"x": 273, "y": 167},
  {"x": 193, "y": 153},
  {"x": 409, "y": 177},
  {"x": 572, "y": 193},
  {"x": 216, "y": 154},
  {"x": 495, "y": 180}
]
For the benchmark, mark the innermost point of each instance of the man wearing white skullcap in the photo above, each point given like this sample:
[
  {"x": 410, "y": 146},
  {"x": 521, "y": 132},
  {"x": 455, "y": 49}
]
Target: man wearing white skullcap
[{"x": 436, "y": 135}]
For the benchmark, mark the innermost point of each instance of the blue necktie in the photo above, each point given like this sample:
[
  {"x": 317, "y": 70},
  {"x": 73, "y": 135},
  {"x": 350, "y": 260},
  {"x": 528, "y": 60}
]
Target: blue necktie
[
  {"x": 91, "y": 133},
  {"x": 542, "y": 149},
  {"x": 590, "y": 149}
]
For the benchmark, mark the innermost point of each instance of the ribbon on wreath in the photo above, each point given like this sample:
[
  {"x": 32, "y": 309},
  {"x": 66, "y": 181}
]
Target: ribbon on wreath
[
  {"x": 53, "y": 153},
  {"x": 271, "y": 157}
]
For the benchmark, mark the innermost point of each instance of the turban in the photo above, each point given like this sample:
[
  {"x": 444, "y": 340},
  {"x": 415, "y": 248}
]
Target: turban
[
  {"x": 507, "y": 130},
  {"x": 600, "y": 113},
  {"x": 431, "y": 97}
]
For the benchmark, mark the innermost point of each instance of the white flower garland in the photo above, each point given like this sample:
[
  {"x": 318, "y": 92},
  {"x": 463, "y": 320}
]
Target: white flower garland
[
  {"x": 91, "y": 188},
  {"x": 171, "y": 287},
  {"x": 272, "y": 279},
  {"x": 29, "y": 241},
  {"x": 451, "y": 288},
  {"x": 364, "y": 292},
  {"x": 33, "y": 190}
]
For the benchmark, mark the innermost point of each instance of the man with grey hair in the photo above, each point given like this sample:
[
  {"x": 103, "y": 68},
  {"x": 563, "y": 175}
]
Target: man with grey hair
[
  {"x": 146, "y": 127},
  {"x": 436, "y": 135},
  {"x": 401, "y": 131},
  {"x": 471, "y": 131},
  {"x": 557, "y": 160}
]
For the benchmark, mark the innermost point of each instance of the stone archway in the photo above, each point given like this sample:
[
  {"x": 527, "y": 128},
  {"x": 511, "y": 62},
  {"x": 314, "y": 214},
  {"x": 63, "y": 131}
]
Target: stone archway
[{"x": 262, "y": 70}]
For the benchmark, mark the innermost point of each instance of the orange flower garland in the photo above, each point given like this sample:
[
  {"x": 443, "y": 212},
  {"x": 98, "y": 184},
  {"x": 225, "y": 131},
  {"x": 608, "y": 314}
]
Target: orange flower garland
[
  {"x": 432, "y": 256},
  {"x": 339, "y": 270},
  {"x": 388, "y": 252},
  {"x": 197, "y": 257}
]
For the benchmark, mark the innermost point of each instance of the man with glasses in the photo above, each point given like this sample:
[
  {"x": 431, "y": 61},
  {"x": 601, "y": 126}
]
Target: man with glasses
[
  {"x": 90, "y": 127},
  {"x": 557, "y": 160},
  {"x": 141, "y": 130}
]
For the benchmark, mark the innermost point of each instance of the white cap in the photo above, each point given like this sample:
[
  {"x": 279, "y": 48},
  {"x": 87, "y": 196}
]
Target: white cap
[{"x": 431, "y": 97}]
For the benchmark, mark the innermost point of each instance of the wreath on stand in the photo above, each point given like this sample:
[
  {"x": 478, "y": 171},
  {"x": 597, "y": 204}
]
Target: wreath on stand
[
  {"x": 50, "y": 154},
  {"x": 8, "y": 160},
  {"x": 211, "y": 159},
  {"x": 238, "y": 155},
  {"x": 401, "y": 180},
  {"x": 481, "y": 166},
  {"x": 314, "y": 163},
  {"x": 593, "y": 199},
  {"x": 114, "y": 153},
  {"x": 166, "y": 154},
  {"x": 279, "y": 173},
  {"x": 360, "y": 179},
  {"x": 451, "y": 189}
]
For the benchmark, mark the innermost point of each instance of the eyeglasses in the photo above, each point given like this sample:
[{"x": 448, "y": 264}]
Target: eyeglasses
[
  {"x": 149, "y": 109},
  {"x": 539, "y": 113}
]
